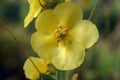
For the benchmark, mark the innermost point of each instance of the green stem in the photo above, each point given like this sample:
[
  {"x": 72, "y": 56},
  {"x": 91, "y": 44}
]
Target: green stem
[
  {"x": 93, "y": 9},
  {"x": 58, "y": 75},
  {"x": 67, "y": 75},
  {"x": 62, "y": 75}
]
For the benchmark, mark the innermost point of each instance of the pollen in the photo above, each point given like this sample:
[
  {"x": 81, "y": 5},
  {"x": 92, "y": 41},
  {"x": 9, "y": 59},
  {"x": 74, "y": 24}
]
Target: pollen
[{"x": 60, "y": 33}]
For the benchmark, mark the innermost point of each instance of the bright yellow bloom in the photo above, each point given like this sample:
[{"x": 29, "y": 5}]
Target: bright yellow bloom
[
  {"x": 62, "y": 36},
  {"x": 34, "y": 68},
  {"x": 85, "y": 3},
  {"x": 34, "y": 10}
]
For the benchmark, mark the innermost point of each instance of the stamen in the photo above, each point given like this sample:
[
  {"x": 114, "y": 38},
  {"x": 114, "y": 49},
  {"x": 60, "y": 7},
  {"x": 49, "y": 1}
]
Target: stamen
[
  {"x": 60, "y": 33},
  {"x": 56, "y": 31},
  {"x": 58, "y": 40}
]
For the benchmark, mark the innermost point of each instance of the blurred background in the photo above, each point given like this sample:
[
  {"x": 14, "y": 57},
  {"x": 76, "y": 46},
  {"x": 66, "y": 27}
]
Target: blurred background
[{"x": 102, "y": 61}]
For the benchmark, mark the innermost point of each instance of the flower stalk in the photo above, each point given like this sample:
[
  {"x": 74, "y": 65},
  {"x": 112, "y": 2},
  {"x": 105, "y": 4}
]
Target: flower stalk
[
  {"x": 62, "y": 75},
  {"x": 92, "y": 11}
]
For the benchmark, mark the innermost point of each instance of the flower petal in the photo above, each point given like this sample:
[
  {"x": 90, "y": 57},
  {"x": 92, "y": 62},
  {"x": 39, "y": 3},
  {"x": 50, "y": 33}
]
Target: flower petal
[
  {"x": 75, "y": 76},
  {"x": 85, "y": 32},
  {"x": 68, "y": 57},
  {"x": 85, "y": 3},
  {"x": 43, "y": 44},
  {"x": 68, "y": 13},
  {"x": 34, "y": 10},
  {"x": 47, "y": 21},
  {"x": 32, "y": 65}
]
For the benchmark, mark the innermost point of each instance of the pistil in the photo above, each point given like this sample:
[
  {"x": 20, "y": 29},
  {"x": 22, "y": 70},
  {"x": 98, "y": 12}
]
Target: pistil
[{"x": 60, "y": 33}]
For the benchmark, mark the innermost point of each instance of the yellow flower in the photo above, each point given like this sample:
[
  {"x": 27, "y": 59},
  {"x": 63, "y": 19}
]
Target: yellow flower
[
  {"x": 62, "y": 36},
  {"x": 33, "y": 67},
  {"x": 85, "y": 4},
  {"x": 34, "y": 10}
]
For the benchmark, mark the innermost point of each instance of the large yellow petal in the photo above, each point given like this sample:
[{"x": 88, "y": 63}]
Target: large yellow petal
[
  {"x": 32, "y": 65},
  {"x": 47, "y": 22},
  {"x": 85, "y": 32},
  {"x": 34, "y": 10},
  {"x": 86, "y": 3},
  {"x": 43, "y": 44},
  {"x": 68, "y": 13},
  {"x": 68, "y": 57}
]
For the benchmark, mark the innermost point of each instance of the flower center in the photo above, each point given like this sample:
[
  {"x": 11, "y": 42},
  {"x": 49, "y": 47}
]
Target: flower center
[{"x": 61, "y": 33}]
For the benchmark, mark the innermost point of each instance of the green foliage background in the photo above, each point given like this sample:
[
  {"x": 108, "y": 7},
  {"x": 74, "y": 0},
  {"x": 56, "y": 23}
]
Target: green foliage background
[{"x": 102, "y": 61}]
